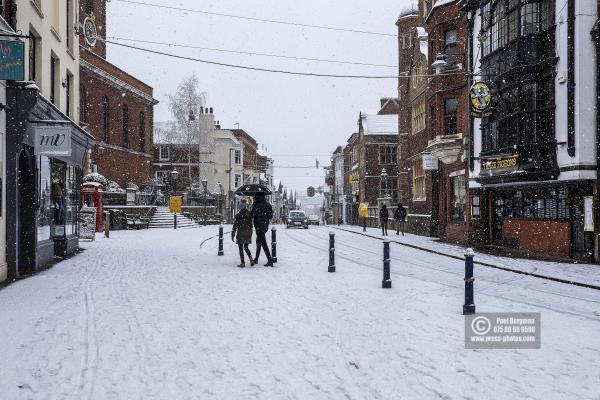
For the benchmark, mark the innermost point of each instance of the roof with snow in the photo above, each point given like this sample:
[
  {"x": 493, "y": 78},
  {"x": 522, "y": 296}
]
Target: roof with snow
[
  {"x": 423, "y": 44},
  {"x": 409, "y": 10},
  {"x": 380, "y": 124}
]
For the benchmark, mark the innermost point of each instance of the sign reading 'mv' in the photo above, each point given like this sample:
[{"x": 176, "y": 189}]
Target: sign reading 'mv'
[{"x": 53, "y": 141}]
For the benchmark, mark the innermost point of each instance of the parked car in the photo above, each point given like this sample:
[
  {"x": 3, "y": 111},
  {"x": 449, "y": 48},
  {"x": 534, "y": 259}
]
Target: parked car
[
  {"x": 297, "y": 219},
  {"x": 313, "y": 219}
]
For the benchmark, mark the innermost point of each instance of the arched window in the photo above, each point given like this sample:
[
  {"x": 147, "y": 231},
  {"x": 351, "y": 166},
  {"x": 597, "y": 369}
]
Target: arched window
[
  {"x": 125, "y": 131},
  {"x": 105, "y": 117},
  {"x": 82, "y": 104},
  {"x": 142, "y": 132}
]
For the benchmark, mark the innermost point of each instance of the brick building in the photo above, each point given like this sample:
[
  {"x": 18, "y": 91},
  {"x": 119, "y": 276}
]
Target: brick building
[{"x": 117, "y": 108}]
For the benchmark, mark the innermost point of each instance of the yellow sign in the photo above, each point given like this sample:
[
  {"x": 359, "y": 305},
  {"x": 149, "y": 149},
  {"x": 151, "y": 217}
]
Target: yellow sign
[
  {"x": 175, "y": 203},
  {"x": 498, "y": 163},
  {"x": 353, "y": 178},
  {"x": 481, "y": 98},
  {"x": 363, "y": 210}
]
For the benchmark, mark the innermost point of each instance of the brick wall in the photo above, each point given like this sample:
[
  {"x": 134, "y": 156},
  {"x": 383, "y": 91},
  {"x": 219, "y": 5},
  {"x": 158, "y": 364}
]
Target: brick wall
[{"x": 544, "y": 238}]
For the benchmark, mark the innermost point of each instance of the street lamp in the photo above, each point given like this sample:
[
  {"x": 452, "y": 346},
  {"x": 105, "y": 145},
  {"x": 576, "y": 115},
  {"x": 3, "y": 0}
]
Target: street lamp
[
  {"x": 204, "y": 183},
  {"x": 221, "y": 195},
  {"x": 384, "y": 183},
  {"x": 174, "y": 174}
]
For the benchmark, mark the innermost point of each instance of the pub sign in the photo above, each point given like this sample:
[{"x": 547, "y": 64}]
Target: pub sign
[{"x": 12, "y": 60}]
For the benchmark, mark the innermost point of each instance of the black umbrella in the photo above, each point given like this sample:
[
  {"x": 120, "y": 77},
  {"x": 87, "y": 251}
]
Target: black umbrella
[{"x": 252, "y": 189}]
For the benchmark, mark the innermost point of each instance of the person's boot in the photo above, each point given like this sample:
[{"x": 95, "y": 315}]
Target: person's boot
[
  {"x": 255, "y": 261},
  {"x": 252, "y": 263},
  {"x": 242, "y": 265},
  {"x": 269, "y": 263}
]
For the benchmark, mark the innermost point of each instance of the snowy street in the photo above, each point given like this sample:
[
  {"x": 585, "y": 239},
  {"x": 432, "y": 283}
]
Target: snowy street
[{"x": 152, "y": 314}]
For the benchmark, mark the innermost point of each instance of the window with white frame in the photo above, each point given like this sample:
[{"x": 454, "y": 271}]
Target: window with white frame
[
  {"x": 164, "y": 153},
  {"x": 418, "y": 116},
  {"x": 388, "y": 154},
  {"x": 238, "y": 157},
  {"x": 238, "y": 181},
  {"x": 418, "y": 177}
]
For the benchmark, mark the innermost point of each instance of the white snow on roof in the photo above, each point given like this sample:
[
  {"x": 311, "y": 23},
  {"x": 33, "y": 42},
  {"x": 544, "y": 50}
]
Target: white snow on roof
[
  {"x": 423, "y": 40},
  {"x": 440, "y": 3},
  {"x": 380, "y": 124}
]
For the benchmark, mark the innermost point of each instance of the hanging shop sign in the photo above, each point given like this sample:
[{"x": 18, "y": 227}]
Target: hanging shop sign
[
  {"x": 87, "y": 223},
  {"x": 354, "y": 179},
  {"x": 12, "y": 60},
  {"x": 500, "y": 163},
  {"x": 588, "y": 213},
  {"x": 53, "y": 140},
  {"x": 430, "y": 163},
  {"x": 480, "y": 97}
]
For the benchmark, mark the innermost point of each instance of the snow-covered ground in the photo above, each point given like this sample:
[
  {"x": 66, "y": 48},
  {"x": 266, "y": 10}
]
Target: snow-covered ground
[{"x": 153, "y": 315}]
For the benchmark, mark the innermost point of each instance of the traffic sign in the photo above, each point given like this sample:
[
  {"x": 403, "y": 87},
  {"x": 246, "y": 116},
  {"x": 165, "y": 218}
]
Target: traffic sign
[{"x": 175, "y": 203}]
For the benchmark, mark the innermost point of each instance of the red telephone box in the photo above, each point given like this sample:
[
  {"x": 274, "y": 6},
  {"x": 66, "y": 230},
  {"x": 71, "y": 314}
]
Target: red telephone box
[{"x": 91, "y": 196}]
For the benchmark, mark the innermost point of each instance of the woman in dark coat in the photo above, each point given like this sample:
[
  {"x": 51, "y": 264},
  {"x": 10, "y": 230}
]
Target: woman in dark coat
[
  {"x": 384, "y": 215},
  {"x": 400, "y": 217},
  {"x": 242, "y": 226},
  {"x": 262, "y": 212}
]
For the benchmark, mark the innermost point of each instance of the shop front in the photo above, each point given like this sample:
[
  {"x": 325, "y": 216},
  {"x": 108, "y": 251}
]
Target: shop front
[{"x": 46, "y": 155}]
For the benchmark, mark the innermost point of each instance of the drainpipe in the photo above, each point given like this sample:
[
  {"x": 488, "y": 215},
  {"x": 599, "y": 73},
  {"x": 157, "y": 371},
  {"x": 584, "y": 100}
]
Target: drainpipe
[{"x": 596, "y": 37}]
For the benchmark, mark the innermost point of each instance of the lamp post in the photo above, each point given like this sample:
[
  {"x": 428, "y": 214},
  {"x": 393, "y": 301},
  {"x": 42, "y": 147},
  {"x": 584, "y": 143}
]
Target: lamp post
[
  {"x": 384, "y": 183},
  {"x": 204, "y": 184},
  {"x": 174, "y": 174},
  {"x": 221, "y": 195}
]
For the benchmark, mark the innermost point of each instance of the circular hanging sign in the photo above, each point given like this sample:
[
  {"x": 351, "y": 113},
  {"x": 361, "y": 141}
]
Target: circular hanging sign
[
  {"x": 89, "y": 30},
  {"x": 481, "y": 97}
]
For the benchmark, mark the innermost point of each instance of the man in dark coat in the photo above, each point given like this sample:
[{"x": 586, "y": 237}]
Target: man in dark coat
[
  {"x": 400, "y": 217},
  {"x": 384, "y": 216},
  {"x": 262, "y": 212},
  {"x": 242, "y": 225}
]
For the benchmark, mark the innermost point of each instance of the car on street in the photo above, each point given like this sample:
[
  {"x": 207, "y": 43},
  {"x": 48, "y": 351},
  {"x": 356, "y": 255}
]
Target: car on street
[
  {"x": 313, "y": 219},
  {"x": 297, "y": 219}
]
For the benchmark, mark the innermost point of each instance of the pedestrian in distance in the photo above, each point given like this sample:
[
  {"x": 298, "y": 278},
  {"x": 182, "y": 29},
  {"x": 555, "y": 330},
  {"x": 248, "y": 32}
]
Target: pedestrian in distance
[
  {"x": 262, "y": 212},
  {"x": 242, "y": 233},
  {"x": 384, "y": 215},
  {"x": 400, "y": 217}
]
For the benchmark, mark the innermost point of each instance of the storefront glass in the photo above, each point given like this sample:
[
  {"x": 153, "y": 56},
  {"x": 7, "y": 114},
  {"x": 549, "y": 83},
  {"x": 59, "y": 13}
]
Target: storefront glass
[
  {"x": 71, "y": 200},
  {"x": 44, "y": 213},
  {"x": 459, "y": 206},
  {"x": 58, "y": 199}
]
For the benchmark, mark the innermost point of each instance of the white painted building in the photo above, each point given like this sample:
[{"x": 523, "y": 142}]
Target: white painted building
[{"x": 534, "y": 153}]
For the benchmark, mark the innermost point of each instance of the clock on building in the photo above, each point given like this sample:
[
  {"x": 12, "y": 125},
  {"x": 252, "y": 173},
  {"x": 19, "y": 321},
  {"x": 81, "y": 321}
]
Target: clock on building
[{"x": 89, "y": 30}]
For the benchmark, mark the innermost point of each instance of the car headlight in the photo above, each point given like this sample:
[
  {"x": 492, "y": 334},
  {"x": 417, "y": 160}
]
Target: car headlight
[
  {"x": 305, "y": 221},
  {"x": 289, "y": 220}
]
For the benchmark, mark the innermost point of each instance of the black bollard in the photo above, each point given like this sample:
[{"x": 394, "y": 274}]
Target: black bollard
[
  {"x": 274, "y": 244},
  {"x": 174, "y": 220},
  {"x": 387, "y": 282},
  {"x": 107, "y": 224},
  {"x": 365, "y": 224},
  {"x": 469, "y": 306},
  {"x": 220, "y": 240},
  {"x": 331, "y": 252}
]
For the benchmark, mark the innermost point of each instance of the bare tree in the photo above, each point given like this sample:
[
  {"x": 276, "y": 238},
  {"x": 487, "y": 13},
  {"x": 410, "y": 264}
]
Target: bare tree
[{"x": 184, "y": 106}]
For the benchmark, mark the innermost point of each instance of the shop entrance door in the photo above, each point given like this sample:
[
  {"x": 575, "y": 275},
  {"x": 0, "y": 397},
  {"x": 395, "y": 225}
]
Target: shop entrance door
[
  {"x": 26, "y": 228},
  {"x": 497, "y": 221}
]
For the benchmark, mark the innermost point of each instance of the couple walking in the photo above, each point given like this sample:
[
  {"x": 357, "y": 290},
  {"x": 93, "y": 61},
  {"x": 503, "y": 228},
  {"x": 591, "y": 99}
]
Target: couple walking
[
  {"x": 261, "y": 214},
  {"x": 399, "y": 217}
]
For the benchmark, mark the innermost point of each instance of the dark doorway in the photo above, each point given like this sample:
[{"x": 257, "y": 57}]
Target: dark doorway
[
  {"x": 26, "y": 203},
  {"x": 498, "y": 221}
]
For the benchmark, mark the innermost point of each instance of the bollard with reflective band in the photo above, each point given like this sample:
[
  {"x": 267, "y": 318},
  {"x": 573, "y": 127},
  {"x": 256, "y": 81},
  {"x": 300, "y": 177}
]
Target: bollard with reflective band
[
  {"x": 274, "y": 244},
  {"x": 107, "y": 224},
  {"x": 221, "y": 241},
  {"x": 469, "y": 306},
  {"x": 331, "y": 252},
  {"x": 387, "y": 282}
]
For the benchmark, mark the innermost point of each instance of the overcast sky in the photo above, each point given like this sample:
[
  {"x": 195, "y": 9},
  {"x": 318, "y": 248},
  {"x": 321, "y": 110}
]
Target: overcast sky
[{"x": 298, "y": 119}]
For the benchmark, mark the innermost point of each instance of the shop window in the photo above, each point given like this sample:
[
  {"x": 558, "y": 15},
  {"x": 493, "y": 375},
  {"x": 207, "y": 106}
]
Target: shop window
[
  {"x": 58, "y": 199},
  {"x": 71, "y": 200},
  {"x": 45, "y": 200},
  {"x": 450, "y": 108},
  {"x": 475, "y": 207},
  {"x": 105, "y": 119},
  {"x": 125, "y": 127},
  {"x": 418, "y": 175},
  {"x": 459, "y": 199},
  {"x": 388, "y": 154}
]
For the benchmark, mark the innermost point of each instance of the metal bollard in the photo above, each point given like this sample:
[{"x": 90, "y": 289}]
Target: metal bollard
[
  {"x": 365, "y": 224},
  {"x": 469, "y": 306},
  {"x": 331, "y": 252},
  {"x": 221, "y": 241},
  {"x": 175, "y": 221},
  {"x": 107, "y": 224},
  {"x": 274, "y": 244},
  {"x": 387, "y": 282}
]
